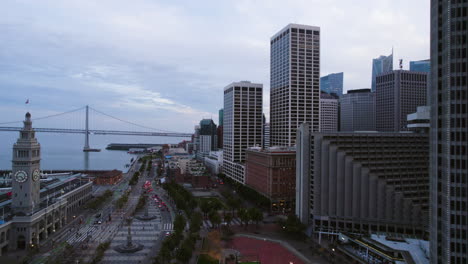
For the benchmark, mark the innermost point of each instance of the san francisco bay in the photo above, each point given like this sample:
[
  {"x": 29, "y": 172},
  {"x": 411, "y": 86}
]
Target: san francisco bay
[{"x": 65, "y": 151}]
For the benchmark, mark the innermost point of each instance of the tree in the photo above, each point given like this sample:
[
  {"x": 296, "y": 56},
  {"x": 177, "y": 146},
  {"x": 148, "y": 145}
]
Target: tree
[
  {"x": 228, "y": 218},
  {"x": 164, "y": 254},
  {"x": 214, "y": 217},
  {"x": 293, "y": 226},
  {"x": 255, "y": 215},
  {"x": 205, "y": 207},
  {"x": 179, "y": 223},
  {"x": 244, "y": 216}
]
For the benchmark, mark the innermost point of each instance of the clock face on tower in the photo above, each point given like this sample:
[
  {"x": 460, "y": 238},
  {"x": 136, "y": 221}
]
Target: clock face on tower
[
  {"x": 36, "y": 175},
  {"x": 21, "y": 176}
]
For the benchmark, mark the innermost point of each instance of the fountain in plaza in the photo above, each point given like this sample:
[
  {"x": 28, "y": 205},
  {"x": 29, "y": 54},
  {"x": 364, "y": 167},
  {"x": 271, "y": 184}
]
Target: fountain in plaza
[
  {"x": 146, "y": 216},
  {"x": 130, "y": 246}
]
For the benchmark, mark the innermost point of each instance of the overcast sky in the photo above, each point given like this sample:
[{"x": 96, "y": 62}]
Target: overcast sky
[{"x": 165, "y": 63}]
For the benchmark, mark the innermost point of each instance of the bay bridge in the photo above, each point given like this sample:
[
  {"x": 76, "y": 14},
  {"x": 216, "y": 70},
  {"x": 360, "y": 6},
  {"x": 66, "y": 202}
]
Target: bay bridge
[{"x": 86, "y": 130}]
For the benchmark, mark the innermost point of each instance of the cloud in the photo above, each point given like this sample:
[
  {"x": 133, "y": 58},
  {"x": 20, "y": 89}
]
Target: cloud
[{"x": 175, "y": 57}]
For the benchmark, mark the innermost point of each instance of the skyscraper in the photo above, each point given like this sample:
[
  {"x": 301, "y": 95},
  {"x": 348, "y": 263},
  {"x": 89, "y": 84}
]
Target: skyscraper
[
  {"x": 397, "y": 95},
  {"x": 332, "y": 83},
  {"x": 381, "y": 65},
  {"x": 295, "y": 75},
  {"x": 329, "y": 112},
  {"x": 208, "y": 138},
  {"x": 357, "y": 110},
  {"x": 449, "y": 132},
  {"x": 420, "y": 66},
  {"x": 221, "y": 116},
  {"x": 242, "y": 125}
]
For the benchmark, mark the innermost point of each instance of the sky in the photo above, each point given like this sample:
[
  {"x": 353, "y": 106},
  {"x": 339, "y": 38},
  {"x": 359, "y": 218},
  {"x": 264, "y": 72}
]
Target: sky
[{"x": 164, "y": 64}]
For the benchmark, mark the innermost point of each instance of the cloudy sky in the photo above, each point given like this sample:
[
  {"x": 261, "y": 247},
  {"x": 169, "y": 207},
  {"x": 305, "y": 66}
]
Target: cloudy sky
[{"x": 164, "y": 64}]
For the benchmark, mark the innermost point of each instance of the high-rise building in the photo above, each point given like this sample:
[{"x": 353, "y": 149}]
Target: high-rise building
[
  {"x": 295, "y": 78},
  {"x": 329, "y": 112},
  {"x": 398, "y": 93},
  {"x": 332, "y": 83},
  {"x": 242, "y": 125},
  {"x": 357, "y": 110},
  {"x": 208, "y": 138},
  {"x": 364, "y": 182},
  {"x": 381, "y": 65},
  {"x": 449, "y": 132},
  {"x": 266, "y": 135},
  {"x": 420, "y": 66},
  {"x": 221, "y": 116}
]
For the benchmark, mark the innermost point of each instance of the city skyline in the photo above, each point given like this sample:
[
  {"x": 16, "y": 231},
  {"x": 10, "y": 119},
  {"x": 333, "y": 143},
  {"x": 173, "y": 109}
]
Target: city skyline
[{"x": 151, "y": 69}]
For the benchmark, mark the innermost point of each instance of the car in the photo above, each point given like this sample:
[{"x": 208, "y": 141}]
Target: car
[
  {"x": 98, "y": 215},
  {"x": 168, "y": 233}
]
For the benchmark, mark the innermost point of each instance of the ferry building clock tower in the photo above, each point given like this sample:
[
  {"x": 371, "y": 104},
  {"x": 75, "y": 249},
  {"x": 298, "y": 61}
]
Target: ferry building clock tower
[{"x": 26, "y": 171}]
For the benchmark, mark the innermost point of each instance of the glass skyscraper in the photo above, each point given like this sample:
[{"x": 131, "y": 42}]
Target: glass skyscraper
[
  {"x": 380, "y": 65},
  {"x": 332, "y": 83},
  {"x": 420, "y": 66}
]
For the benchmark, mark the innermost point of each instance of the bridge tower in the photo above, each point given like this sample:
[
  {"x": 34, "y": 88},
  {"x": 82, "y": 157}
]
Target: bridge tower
[{"x": 86, "y": 145}]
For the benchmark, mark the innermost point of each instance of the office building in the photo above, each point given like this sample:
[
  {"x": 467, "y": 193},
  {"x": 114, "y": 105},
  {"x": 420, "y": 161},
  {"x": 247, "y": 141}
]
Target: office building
[
  {"x": 357, "y": 110},
  {"x": 272, "y": 172},
  {"x": 398, "y": 94},
  {"x": 329, "y": 112},
  {"x": 221, "y": 116},
  {"x": 34, "y": 214},
  {"x": 294, "y": 81},
  {"x": 420, "y": 66},
  {"x": 365, "y": 182},
  {"x": 420, "y": 121},
  {"x": 381, "y": 65},
  {"x": 266, "y": 135},
  {"x": 242, "y": 125},
  {"x": 220, "y": 129},
  {"x": 332, "y": 83},
  {"x": 449, "y": 131},
  {"x": 208, "y": 136}
]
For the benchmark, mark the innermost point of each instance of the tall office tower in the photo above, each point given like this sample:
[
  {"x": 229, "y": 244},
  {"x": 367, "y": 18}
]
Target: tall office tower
[
  {"x": 363, "y": 182},
  {"x": 242, "y": 125},
  {"x": 208, "y": 138},
  {"x": 449, "y": 131},
  {"x": 398, "y": 93},
  {"x": 329, "y": 112},
  {"x": 357, "y": 110},
  {"x": 221, "y": 116},
  {"x": 266, "y": 135},
  {"x": 332, "y": 83},
  {"x": 381, "y": 65},
  {"x": 420, "y": 66},
  {"x": 295, "y": 76}
]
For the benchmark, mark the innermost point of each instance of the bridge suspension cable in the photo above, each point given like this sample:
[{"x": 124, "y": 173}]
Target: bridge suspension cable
[
  {"x": 45, "y": 117},
  {"x": 131, "y": 123}
]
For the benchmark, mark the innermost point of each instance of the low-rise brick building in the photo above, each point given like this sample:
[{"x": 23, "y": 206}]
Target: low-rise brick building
[
  {"x": 272, "y": 172},
  {"x": 110, "y": 177}
]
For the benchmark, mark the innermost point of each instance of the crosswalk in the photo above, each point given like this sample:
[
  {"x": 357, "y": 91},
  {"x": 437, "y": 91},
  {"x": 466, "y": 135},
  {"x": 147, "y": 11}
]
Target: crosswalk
[
  {"x": 234, "y": 221},
  {"x": 167, "y": 227},
  {"x": 82, "y": 234}
]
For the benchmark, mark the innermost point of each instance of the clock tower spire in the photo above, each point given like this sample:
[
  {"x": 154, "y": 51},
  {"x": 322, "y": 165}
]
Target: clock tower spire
[{"x": 26, "y": 170}]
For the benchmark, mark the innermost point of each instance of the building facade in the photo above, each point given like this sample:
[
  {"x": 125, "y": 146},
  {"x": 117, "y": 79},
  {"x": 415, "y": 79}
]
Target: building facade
[
  {"x": 266, "y": 135},
  {"x": 449, "y": 131},
  {"x": 363, "y": 182},
  {"x": 420, "y": 66},
  {"x": 272, "y": 172},
  {"x": 108, "y": 178},
  {"x": 381, "y": 65},
  {"x": 332, "y": 83},
  {"x": 329, "y": 112},
  {"x": 33, "y": 214},
  {"x": 398, "y": 94},
  {"x": 357, "y": 110},
  {"x": 294, "y": 81},
  {"x": 242, "y": 125}
]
